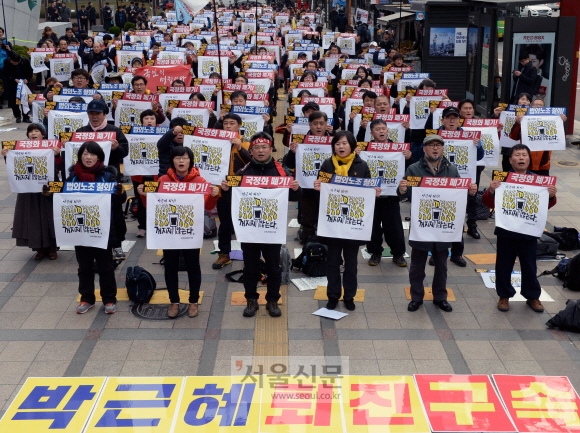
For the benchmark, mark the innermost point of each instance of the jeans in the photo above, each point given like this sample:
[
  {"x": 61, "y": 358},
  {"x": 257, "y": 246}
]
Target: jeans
[
  {"x": 86, "y": 256},
  {"x": 333, "y": 262},
  {"x": 271, "y": 254},
  {"x": 417, "y": 275},
  {"x": 172, "y": 273}
]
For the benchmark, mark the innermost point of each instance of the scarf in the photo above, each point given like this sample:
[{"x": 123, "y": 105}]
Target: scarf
[
  {"x": 342, "y": 169},
  {"x": 189, "y": 177},
  {"x": 101, "y": 126},
  {"x": 87, "y": 174}
]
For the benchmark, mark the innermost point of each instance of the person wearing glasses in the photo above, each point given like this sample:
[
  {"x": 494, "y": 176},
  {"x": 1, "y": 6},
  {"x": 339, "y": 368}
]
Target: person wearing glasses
[
  {"x": 263, "y": 164},
  {"x": 182, "y": 170},
  {"x": 139, "y": 84},
  {"x": 431, "y": 164}
]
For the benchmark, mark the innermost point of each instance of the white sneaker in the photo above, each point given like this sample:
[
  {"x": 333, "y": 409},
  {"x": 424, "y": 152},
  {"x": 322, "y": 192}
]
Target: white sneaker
[
  {"x": 118, "y": 254},
  {"x": 141, "y": 233}
]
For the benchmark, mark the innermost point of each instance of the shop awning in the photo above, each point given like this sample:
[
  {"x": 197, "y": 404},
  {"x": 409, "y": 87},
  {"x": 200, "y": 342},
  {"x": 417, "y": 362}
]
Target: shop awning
[{"x": 395, "y": 17}]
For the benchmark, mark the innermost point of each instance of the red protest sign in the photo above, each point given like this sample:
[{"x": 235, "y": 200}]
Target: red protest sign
[
  {"x": 164, "y": 75},
  {"x": 462, "y": 403},
  {"x": 540, "y": 403}
]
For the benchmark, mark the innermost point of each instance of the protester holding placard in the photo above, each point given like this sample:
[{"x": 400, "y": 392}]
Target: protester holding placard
[
  {"x": 344, "y": 162},
  {"x": 387, "y": 162},
  {"x": 33, "y": 225},
  {"x": 309, "y": 202},
  {"x": 521, "y": 203},
  {"x": 265, "y": 211},
  {"x": 507, "y": 115},
  {"x": 171, "y": 139},
  {"x": 432, "y": 164},
  {"x": 181, "y": 170},
  {"x": 539, "y": 160},
  {"x": 97, "y": 111},
  {"x": 90, "y": 167}
]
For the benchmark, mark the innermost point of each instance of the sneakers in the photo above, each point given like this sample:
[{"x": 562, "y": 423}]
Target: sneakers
[
  {"x": 141, "y": 233},
  {"x": 503, "y": 304},
  {"x": 173, "y": 311},
  {"x": 118, "y": 254},
  {"x": 83, "y": 307},
  {"x": 18, "y": 120},
  {"x": 192, "y": 311},
  {"x": 26, "y": 119},
  {"x": 332, "y": 303},
  {"x": 110, "y": 308},
  {"x": 472, "y": 231},
  {"x": 349, "y": 304},
  {"x": 535, "y": 305},
  {"x": 273, "y": 309},
  {"x": 459, "y": 261},
  {"x": 375, "y": 260},
  {"x": 400, "y": 261},
  {"x": 251, "y": 308},
  {"x": 222, "y": 260}
]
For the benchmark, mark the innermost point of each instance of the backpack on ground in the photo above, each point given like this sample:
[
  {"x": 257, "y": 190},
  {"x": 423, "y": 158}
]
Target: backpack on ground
[
  {"x": 546, "y": 248},
  {"x": 482, "y": 211},
  {"x": 312, "y": 259},
  {"x": 140, "y": 284},
  {"x": 567, "y": 270},
  {"x": 567, "y": 238},
  {"x": 567, "y": 319}
]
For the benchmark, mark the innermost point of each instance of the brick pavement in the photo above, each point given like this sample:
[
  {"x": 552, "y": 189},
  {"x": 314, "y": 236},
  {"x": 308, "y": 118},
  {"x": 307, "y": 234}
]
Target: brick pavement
[{"x": 40, "y": 334}]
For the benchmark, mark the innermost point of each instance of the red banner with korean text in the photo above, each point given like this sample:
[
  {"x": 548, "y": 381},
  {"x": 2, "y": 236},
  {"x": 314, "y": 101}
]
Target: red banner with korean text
[{"x": 164, "y": 75}]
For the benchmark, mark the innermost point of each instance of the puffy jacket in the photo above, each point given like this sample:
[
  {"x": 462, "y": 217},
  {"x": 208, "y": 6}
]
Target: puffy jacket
[
  {"x": 194, "y": 177},
  {"x": 421, "y": 168}
]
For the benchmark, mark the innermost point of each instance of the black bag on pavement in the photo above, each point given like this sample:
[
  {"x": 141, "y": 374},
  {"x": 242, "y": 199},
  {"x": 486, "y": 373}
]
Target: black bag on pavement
[
  {"x": 312, "y": 259},
  {"x": 547, "y": 248},
  {"x": 567, "y": 319},
  {"x": 572, "y": 275},
  {"x": 567, "y": 238},
  {"x": 140, "y": 284}
]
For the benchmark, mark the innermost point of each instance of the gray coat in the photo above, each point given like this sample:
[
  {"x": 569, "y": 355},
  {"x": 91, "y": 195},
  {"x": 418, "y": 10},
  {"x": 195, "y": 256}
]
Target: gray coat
[{"x": 420, "y": 168}]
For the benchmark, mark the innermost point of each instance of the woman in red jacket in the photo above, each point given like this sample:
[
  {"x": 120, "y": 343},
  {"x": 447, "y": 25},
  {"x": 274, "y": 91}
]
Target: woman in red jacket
[
  {"x": 182, "y": 170},
  {"x": 512, "y": 245}
]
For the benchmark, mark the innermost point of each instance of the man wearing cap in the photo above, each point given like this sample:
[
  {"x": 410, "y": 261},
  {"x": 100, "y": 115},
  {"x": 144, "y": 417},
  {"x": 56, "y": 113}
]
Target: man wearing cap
[
  {"x": 450, "y": 119},
  {"x": 431, "y": 164},
  {"x": 263, "y": 164},
  {"x": 15, "y": 69}
]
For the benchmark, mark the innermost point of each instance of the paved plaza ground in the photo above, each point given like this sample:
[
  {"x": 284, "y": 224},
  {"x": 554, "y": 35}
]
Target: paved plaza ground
[{"x": 41, "y": 335}]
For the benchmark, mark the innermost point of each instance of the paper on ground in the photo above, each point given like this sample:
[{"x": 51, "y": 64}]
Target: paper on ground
[
  {"x": 294, "y": 223},
  {"x": 406, "y": 225},
  {"x": 489, "y": 281},
  {"x": 297, "y": 252},
  {"x": 330, "y": 314},
  {"x": 126, "y": 245},
  {"x": 310, "y": 283},
  {"x": 366, "y": 255}
]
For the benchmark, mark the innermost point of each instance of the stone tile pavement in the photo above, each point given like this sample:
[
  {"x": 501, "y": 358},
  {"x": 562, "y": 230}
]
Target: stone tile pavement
[{"x": 40, "y": 334}]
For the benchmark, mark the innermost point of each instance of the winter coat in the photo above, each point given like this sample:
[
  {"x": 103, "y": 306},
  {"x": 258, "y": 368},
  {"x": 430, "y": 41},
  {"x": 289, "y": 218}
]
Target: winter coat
[{"x": 120, "y": 152}]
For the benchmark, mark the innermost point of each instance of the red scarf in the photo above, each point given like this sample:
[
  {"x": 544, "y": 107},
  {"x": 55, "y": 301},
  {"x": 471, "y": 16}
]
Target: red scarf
[{"x": 87, "y": 174}]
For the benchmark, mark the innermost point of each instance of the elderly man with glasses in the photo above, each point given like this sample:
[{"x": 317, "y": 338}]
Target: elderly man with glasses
[{"x": 432, "y": 164}]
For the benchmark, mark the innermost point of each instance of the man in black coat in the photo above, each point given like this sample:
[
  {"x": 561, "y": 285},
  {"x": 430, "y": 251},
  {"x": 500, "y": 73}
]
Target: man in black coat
[
  {"x": 342, "y": 21},
  {"x": 92, "y": 14},
  {"x": 107, "y": 16},
  {"x": 15, "y": 69},
  {"x": 524, "y": 77},
  {"x": 263, "y": 164}
]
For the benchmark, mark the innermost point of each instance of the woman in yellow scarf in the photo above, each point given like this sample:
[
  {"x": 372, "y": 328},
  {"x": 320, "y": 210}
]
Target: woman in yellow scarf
[{"x": 344, "y": 162}]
